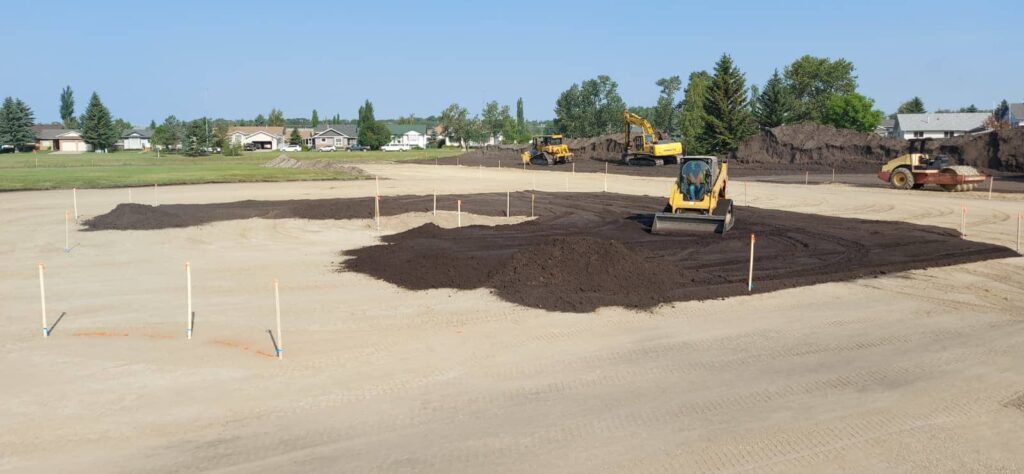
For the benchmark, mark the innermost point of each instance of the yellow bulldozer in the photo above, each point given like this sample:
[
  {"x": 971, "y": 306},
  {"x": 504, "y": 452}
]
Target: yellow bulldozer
[
  {"x": 646, "y": 149},
  {"x": 547, "y": 150},
  {"x": 698, "y": 200}
]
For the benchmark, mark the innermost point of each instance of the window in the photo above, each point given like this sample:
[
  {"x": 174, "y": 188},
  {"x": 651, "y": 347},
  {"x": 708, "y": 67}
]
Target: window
[
  {"x": 918, "y": 134},
  {"x": 948, "y": 134}
]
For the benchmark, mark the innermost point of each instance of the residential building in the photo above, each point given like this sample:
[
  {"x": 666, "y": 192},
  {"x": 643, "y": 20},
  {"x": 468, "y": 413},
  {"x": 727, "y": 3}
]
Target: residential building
[
  {"x": 267, "y": 138},
  {"x": 938, "y": 125},
  {"x": 136, "y": 139},
  {"x": 1017, "y": 115},
  {"x": 62, "y": 140},
  {"x": 339, "y": 136},
  {"x": 886, "y": 128},
  {"x": 412, "y": 135}
]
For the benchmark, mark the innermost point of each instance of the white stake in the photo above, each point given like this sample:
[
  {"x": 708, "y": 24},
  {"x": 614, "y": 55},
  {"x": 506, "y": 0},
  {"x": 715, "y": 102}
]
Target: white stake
[
  {"x": 807, "y": 176},
  {"x": 459, "y": 212},
  {"x": 42, "y": 300},
  {"x": 524, "y": 166},
  {"x": 606, "y": 177},
  {"x": 277, "y": 309},
  {"x": 434, "y": 212},
  {"x": 376, "y": 180},
  {"x": 129, "y": 195},
  {"x": 574, "y": 168},
  {"x": 532, "y": 197},
  {"x": 508, "y": 204},
  {"x": 833, "y": 175},
  {"x": 188, "y": 286},
  {"x": 963, "y": 219},
  {"x": 499, "y": 164},
  {"x": 991, "y": 179},
  {"x": 74, "y": 197},
  {"x": 376, "y": 211},
  {"x": 67, "y": 224},
  {"x": 750, "y": 275}
]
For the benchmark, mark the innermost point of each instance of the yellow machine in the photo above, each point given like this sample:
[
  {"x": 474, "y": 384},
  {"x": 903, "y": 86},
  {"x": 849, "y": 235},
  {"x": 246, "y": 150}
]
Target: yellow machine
[
  {"x": 645, "y": 149},
  {"x": 697, "y": 201},
  {"x": 547, "y": 150},
  {"x": 915, "y": 170}
]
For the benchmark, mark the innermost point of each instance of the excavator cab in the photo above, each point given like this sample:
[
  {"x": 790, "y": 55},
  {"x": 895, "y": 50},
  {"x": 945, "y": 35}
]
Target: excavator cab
[{"x": 645, "y": 148}]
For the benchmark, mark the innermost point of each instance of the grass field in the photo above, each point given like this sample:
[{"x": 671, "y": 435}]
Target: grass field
[{"x": 27, "y": 171}]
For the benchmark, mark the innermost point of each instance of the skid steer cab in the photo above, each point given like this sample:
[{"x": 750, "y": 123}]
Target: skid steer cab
[
  {"x": 697, "y": 201},
  {"x": 547, "y": 150}
]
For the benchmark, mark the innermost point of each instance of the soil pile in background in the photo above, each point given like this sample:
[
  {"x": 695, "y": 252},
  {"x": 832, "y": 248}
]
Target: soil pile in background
[
  {"x": 285, "y": 161},
  {"x": 818, "y": 147},
  {"x": 999, "y": 150}
]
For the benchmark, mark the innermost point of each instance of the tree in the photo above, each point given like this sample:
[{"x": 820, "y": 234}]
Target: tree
[
  {"x": 276, "y": 118},
  {"x": 495, "y": 120},
  {"x": 691, "y": 116},
  {"x": 589, "y": 109},
  {"x": 1002, "y": 113},
  {"x": 365, "y": 116},
  {"x": 372, "y": 133},
  {"x": 152, "y": 124},
  {"x": 458, "y": 126},
  {"x": 727, "y": 109},
  {"x": 993, "y": 123},
  {"x": 969, "y": 109},
  {"x": 168, "y": 134},
  {"x": 121, "y": 126},
  {"x": 520, "y": 116},
  {"x": 774, "y": 106},
  {"x": 16, "y": 120},
  {"x": 67, "y": 107},
  {"x": 852, "y": 111},
  {"x": 314, "y": 121},
  {"x": 813, "y": 81},
  {"x": 912, "y": 106},
  {"x": 295, "y": 138},
  {"x": 97, "y": 126},
  {"x": 260, "y": 121},
  {"x": 196, "y": 139},
  {"x": 664, "y": 109}
]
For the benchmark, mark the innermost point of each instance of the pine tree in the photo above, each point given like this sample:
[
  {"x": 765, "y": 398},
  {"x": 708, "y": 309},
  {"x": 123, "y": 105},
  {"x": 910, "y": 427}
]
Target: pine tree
[
  {"x": 912, "y": 106},
  {"x": 295, "y": 138},
  {"x": 775, "y": 105},
  {"x": 67, "y": 107},
  {"x": 314, "y": 120},
  {"x": 260, "y": 121},
  {"x": 97, "y": 126},
  {"x": 1002, "y": 113},
  {"x": 16, "y": 120},
  {"x": 195, "y": 140},
  {"x": 728, "y": 121},
  {"x": 691, "y": 116},
  {"x": 152, "y": 125}
]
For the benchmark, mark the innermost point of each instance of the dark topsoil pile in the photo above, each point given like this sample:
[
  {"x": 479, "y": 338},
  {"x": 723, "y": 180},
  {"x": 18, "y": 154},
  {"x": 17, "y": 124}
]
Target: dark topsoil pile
[
  {"x": 588, "y": 250},
  {"x": 787, "y": 149}
]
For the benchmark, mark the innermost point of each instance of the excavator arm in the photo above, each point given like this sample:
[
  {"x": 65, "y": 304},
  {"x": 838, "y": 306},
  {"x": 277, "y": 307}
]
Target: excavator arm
[{"x": 634, "y": 119}]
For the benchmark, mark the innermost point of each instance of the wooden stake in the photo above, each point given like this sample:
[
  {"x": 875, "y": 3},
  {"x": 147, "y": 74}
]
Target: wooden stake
[
  {"x": 750, "y": 274},
  {"x": 188, "y": 311},
  {"x": 376, "y": 180},
  {"x": 499, "y": 164},
  {"x": 42, "y": 300},
  {"x": 67, "y": 224},
  {"x": 963, "y": 219},
  {"x": 807, "y": 177},
  {"x": 532, "y": 198},
  {"x": 1020, "y": 217},
  {"x": 574, "y": 168},
  {"x": 277, "y": 309},
  {"x": 991, "y": 179},
  {"x": 434, "y": 212},
  {"x": 376, "y": 211},
  {"x": 508, "y": 204},
  {"x": 606, "y": 177},
  {"x": 833, "y": 175},
  {"x": 458, "y": 211},
  {"x": 74, "y": 197}
]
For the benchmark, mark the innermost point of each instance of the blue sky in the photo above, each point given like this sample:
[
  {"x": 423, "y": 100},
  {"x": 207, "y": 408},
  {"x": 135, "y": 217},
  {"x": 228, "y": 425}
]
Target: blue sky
[{"x": 240, "y": 58}]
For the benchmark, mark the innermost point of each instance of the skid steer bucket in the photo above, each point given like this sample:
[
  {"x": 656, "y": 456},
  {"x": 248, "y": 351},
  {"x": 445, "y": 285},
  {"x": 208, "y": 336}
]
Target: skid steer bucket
[{"x": 719, "y": 222}]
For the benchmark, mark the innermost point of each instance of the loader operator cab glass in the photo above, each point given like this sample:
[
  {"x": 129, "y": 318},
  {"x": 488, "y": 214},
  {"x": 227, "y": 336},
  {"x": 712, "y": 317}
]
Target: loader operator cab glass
[
  {"x": 552, "y": 141},
  {"x": 695, "y": 180}
]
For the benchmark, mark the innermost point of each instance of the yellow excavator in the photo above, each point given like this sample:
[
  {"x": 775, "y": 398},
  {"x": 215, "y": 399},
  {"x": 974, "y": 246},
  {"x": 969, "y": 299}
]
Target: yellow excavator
[
  {"x": 646, "y": 149},
  {"x": 547, "y": 150},
  {"x": 697, "y": 201}
]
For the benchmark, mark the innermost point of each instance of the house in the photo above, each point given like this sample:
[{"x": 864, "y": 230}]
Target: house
[
  {"x": 886, "y": 128},
  {"x": 338, "y": 136},
  {"x": 267, "y": 138},
  {"x": 938, "y": 125},
  {"x": 136, "y": 139},
  {"x": 61, "y": 139},
  {"x": 1017, "y": 115},
  {"x": 412, "y": 135}
]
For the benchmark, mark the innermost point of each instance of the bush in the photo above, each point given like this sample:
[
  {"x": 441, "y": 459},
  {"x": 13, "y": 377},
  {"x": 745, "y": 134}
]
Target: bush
[{"x": 232, "y": 149}]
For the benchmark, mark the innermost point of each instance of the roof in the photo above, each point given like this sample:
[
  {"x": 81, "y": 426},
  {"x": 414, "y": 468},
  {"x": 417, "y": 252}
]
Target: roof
[
  {"x": 347, "y": 129},
  {"x": 888, "y": 123},
  {"x": 53, "y": 133},
  {"x": 141, "y": 132},
  {"x": 397, "y": 129},
  {"x": 941, "y": 122},
  {"x": 1017, "y": 110},
  {"x": 274, "y": 131}
]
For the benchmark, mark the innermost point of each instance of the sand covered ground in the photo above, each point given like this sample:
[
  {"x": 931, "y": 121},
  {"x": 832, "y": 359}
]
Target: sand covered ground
[{"x": 909, "y": 371}]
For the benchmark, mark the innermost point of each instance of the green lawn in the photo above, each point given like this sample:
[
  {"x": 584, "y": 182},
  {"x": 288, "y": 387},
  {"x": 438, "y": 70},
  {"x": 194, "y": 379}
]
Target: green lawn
[{"x": 25, "y": 171}]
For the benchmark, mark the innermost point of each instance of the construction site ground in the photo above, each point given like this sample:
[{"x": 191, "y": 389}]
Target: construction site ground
[{"x": 907, "y": 371}]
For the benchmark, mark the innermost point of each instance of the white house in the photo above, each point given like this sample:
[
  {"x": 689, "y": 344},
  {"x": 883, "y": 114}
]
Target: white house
[
  {"x": 64, "y": 140},
  {"x": 1017, "y": 115},
  {"x": 137, "y": 139},
  {"x": 946, "y": 125},
  {"x": 267, "y": 138},
  {"x": 412, "y": 135}
]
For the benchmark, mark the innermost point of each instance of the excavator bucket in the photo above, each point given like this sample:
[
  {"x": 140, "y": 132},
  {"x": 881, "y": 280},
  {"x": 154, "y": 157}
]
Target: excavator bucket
[{"x": 719, "y": 222}]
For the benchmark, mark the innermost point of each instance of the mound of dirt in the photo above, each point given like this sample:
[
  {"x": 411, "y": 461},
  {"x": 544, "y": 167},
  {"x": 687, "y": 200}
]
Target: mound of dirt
[
  {"x": 285, "y": 161},
  {"x": 998, "y": 150}
]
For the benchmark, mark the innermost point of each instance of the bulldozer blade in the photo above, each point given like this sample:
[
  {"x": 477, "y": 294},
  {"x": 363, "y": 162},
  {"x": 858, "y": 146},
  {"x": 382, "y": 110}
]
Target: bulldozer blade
[{"x": 666, "y": 223}]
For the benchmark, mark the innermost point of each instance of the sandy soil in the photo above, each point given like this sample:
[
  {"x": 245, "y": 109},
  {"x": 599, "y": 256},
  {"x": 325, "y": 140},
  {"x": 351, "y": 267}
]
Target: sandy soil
[{"x": 916, "y": 371}]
